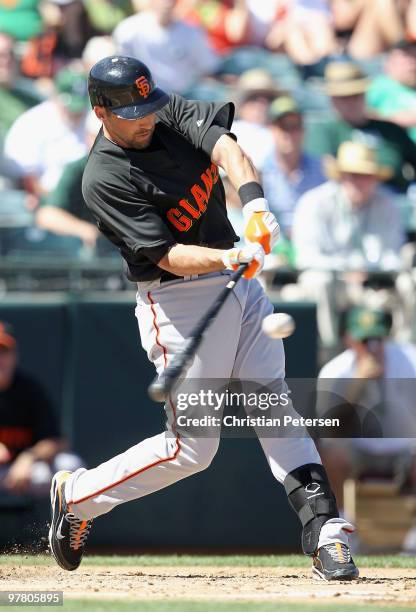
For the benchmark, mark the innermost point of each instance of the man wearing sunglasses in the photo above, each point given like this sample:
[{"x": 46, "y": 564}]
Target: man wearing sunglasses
[{"x": 288, "y": 172}]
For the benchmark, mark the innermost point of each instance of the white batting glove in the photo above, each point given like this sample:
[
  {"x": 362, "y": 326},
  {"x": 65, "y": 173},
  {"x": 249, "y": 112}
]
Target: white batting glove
[
  {"x": 252, "y": 254},
  {"x": 260, "y": 225}
]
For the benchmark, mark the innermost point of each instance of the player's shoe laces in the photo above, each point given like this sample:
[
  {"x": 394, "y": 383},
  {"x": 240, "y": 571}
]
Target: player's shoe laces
[
  {"x": 334, "y": 562},
  {"x": 67, "y": 534}
]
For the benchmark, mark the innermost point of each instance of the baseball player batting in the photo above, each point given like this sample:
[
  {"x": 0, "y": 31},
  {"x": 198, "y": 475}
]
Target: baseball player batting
[{"x": 152, "y": 183}]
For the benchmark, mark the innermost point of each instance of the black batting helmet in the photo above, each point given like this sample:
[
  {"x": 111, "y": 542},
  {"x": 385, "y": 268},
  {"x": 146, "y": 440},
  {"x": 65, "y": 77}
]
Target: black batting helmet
[{"x": 125, "y": 86}]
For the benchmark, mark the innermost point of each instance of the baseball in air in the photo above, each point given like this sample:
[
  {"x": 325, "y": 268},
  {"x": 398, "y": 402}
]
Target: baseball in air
[{"x": 278, "y": 325}]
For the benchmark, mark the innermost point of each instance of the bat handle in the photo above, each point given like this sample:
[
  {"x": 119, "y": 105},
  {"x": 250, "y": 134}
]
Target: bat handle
[
  {"x": 162, "y": 385},
  {"x": 160, "y": 388}
]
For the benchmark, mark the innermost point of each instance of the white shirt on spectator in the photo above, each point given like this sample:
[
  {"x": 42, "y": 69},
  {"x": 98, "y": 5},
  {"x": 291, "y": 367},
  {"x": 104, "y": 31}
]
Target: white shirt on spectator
[
  {"x": 398, "y": 392},
  {"x": 255, "y": 140},
  {"x": 329, "y": 234},
  {"x": 177, "y": 55},
  {"x": 41, "y": 143}
]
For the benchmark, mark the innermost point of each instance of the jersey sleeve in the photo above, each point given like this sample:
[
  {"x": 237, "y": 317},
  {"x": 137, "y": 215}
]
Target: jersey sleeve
[
  {"x": 122, "y": 213},
  {"x": 202, "y": 123}
]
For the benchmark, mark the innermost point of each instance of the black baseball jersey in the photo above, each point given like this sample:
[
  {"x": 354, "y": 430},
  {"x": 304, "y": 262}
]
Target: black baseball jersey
[{"x": 146, "y": 200}]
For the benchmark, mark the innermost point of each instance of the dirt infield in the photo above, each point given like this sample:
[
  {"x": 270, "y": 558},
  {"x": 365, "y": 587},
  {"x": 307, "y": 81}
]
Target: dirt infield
[{"x": 271, "y": 584}]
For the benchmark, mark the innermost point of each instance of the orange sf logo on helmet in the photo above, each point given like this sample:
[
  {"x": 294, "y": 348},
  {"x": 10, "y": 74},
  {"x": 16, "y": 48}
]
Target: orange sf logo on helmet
[{"x": 143, "y": 86}]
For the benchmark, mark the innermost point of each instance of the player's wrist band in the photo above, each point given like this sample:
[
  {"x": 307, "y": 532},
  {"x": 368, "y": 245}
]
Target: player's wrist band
[{"x": 250, "y": 191}]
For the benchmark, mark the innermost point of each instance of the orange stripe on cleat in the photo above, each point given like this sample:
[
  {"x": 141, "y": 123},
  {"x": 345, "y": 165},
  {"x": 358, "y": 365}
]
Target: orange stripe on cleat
[{"x": 78, "y": 535}]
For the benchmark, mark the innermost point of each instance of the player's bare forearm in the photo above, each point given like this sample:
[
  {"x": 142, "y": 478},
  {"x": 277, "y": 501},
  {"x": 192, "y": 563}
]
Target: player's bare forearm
[
  {"x": 183, "y": 259},
  {"x": 230, "y": 157}
]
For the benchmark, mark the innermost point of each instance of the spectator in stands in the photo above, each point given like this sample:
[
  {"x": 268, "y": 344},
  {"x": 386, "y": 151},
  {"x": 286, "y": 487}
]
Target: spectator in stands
[
  {"x": 105, "y": 15},
  {"x": 393, "y": 94},
  {"x": 347, "y": 227},
  {"x": 31, "y": 445},
  {"x": 366, "y": 28},
  {"x": 69, "y": 20},
  {"x": 306, "y": 17},
  {"x": 349, "y": 221},
  {"x": 288, "y": 172},
  {"x": 178, "y": 54},
  {"x": 267, "y": 23},
  {"x": 233, "y": 23},
  {"x": 64, "y": 212},
  {"x": 21, "y": 19},
  {"x": 227, "y": 22},
  {"x": 96, "y": 49},
  {"x": 361, "y": 29},
  {"x": 255, "y": 91},
  {"x": 347, "y": 85},
  {"x": 16, "y": 96},
  {"x": 66, "y": 29},
  {"x": 362, "y": 386},
  {"x": 45, "y": 138}
]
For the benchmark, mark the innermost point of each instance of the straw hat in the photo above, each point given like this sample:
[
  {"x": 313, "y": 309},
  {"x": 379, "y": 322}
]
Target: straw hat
[
  {"x": 357, "y": 158},
  {"x": 257, "y": 81},
  {"x": 345, "y": 79}
]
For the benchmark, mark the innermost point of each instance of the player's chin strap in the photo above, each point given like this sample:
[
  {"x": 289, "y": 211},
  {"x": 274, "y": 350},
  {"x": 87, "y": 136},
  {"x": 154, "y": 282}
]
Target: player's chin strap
[{"x": 311, "y": 497}]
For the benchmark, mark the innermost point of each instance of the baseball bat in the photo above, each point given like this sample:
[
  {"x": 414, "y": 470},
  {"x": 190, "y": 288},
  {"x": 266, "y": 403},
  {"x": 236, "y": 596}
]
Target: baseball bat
[{"x": 161, "y": 386}]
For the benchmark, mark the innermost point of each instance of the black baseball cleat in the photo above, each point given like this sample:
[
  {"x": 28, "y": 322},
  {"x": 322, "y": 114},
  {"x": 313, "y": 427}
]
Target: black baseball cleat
[
  {"x": 334, "y": 562},
  {"x": 67, "y": 534}
]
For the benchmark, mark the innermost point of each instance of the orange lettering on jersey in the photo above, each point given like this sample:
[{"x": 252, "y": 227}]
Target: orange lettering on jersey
[
  {"x": 215, "y": 173},
  {"x": 201, "y": 198},
  {"x": 195, "y": 213},
  {"x": 198, "y": 204},
  {"x": 179, "y": 220},
  {"x": 206, "y": 178}
]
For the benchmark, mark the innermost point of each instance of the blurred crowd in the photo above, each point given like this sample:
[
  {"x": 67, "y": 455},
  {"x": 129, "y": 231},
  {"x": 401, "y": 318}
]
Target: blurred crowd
[{"x": 325, "y": 94}]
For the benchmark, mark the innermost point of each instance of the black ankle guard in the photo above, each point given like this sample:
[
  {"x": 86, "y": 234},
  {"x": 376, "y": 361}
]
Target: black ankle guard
[{"x": 310, "y": 495}]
